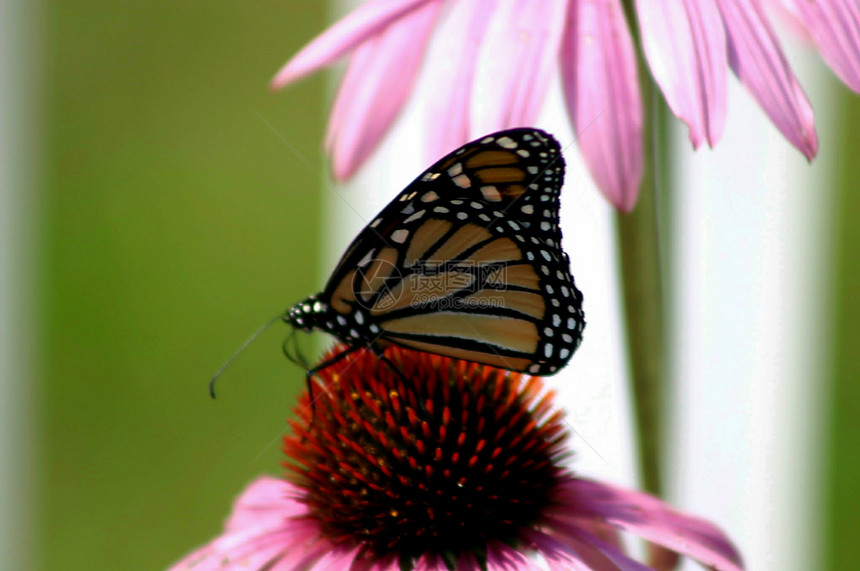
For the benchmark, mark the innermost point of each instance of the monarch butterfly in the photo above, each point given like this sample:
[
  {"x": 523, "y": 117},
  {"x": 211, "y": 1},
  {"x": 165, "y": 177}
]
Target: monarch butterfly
[{"x": 465, "y": 262}]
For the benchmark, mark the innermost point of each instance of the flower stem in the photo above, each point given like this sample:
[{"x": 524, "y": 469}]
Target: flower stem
[
  {"x": 639, "y": 255},
  {"x": 640, "y": 245}
]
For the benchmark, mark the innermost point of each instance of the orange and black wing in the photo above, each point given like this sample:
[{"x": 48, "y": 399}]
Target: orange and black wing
[{"x": 467, "y": 262}]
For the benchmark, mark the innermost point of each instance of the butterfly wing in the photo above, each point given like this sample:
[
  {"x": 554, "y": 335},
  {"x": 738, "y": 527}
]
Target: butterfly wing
[{"x": 467, "y": 261}]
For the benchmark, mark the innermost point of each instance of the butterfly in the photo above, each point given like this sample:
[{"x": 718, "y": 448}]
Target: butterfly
[{"x": 465, "y": 262}]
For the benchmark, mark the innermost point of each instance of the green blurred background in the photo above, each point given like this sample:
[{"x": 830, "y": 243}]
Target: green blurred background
[
  {"x": 174, "y": 221},
  {"x": 177, "y": 223}
]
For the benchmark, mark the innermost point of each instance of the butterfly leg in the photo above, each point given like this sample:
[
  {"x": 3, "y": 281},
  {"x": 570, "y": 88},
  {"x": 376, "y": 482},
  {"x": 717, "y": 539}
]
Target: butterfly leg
[
  {"x": 321, "y": 367},
  {"x": 381, "y": 355}
]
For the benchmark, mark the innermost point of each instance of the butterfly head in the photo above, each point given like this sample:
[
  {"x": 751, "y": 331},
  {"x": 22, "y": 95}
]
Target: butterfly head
[{"x": 305, "y": 314}]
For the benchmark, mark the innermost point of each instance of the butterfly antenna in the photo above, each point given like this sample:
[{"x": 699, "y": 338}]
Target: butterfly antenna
[{"x": 238, "y": 352}]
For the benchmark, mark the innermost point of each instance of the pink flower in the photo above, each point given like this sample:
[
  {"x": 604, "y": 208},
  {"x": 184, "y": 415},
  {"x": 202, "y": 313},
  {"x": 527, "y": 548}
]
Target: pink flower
[
  {"x": 443, "y": 464},
  {"x": 514, "y": 47}
]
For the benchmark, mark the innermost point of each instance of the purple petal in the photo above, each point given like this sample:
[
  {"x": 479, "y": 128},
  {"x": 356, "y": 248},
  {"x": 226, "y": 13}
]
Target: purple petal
[
  {"x": 452, "y": 75},
  {"x": 376, "y": 85},
  {"x": 598, "y": 69},
  {"x": 835, "y": 28},
  {"x": 685, "y": 45},
  {"x": 757, "y": 60},
  {"x": 358, "y": 26},
  {"x": 649, "y": 518},
  {"x": 518, "y": 57}
]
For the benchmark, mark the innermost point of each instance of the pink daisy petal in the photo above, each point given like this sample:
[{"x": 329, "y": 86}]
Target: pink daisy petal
[
  {"x": 250, "y": 548},
  {"x": 258, "y": 531},
  {"x": 358, "y": 26},
  {"x": 598, "y": 69},
  {"x": 452, "y": 75},
  {"x": 351, "y": 82},
  {"x": 758, "y": 61},
  {"x": 518, "y": 58},
  {"x": 375, "y": 88},
  {"x": 835, "y": 28},
  {"x": 501, "y": 557},
  {"x": 570, "y": 551},
  {"x": 650, "y": 519},
  {"x": 266, "y": 501},
  {"x": 685, "y": 45},
  {"x": 618, "y": 559}
]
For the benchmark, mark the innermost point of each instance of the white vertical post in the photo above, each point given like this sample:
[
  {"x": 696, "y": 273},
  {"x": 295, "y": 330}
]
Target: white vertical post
[
  {"x": 18, "y": 203},
  {"x": 750, "y": 281},
  {"x": 593, "y": 388}
]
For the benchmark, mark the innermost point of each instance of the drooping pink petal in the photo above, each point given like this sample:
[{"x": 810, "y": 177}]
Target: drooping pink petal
[
  {"x": 601, "y": 87},
  {"x": 565, "y": 549},
  {"x": 757, "y": 59},
  {"x": 358, "y": 26},
  {"x": 685, "y": 45},
  {"x": 615, "y": 555},
  {"x": 516, "y": 63},
  {"x": 452, "y": 75},
  {"x": 375, "y": 87},
  {"x": 835, "y": 28},
  {"x": 651, "y": 519}
]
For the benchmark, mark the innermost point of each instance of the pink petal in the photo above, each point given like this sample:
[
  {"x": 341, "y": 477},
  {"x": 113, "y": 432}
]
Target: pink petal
[
  {"x": 501, "y": 557},
  {"x": 835, "y": 28},
  {"x": 358, "y": 26},
  {"x": 598, "y": 69},
  {"x": 261, "y": 530},
  {"x": 651, "y": 519},
  {"x": 376, "y": 85},
  {"x": 266, "y": 501},
  {"x": 452, "y": 73},
  {"x": 569, "y": 552},
  {"x": 618, "y": 558},
  {"x": 758, "y": 61},
  {"x": 685, "y": 45},
  {"x": 517, "y": 60}
]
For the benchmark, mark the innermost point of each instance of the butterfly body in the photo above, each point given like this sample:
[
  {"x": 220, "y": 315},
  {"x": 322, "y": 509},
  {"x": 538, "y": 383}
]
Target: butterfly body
[{"x": 465, "y": 262}]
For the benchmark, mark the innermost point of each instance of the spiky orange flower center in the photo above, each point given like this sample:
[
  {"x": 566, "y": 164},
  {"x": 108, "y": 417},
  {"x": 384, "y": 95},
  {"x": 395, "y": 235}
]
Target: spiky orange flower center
[{"x": 437, "y": 458}]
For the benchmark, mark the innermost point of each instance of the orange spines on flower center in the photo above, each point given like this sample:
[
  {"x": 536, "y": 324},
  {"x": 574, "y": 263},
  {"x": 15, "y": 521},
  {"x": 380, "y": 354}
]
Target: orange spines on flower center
[{"x": 438, "y": 459}]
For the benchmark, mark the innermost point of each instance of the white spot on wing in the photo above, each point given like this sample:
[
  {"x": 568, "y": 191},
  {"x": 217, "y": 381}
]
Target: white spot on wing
[
  {"x": 366, "y": 259},
  {"x": 400, "y": 236},
  {"x": 462, "y": 181},
  {"x": 415, "y": 216},
  {"x": 491, "y": 193}
]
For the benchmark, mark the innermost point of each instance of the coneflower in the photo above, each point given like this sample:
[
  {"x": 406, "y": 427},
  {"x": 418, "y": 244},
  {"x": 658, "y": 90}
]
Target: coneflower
[{"x": 442, "y": 464}]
